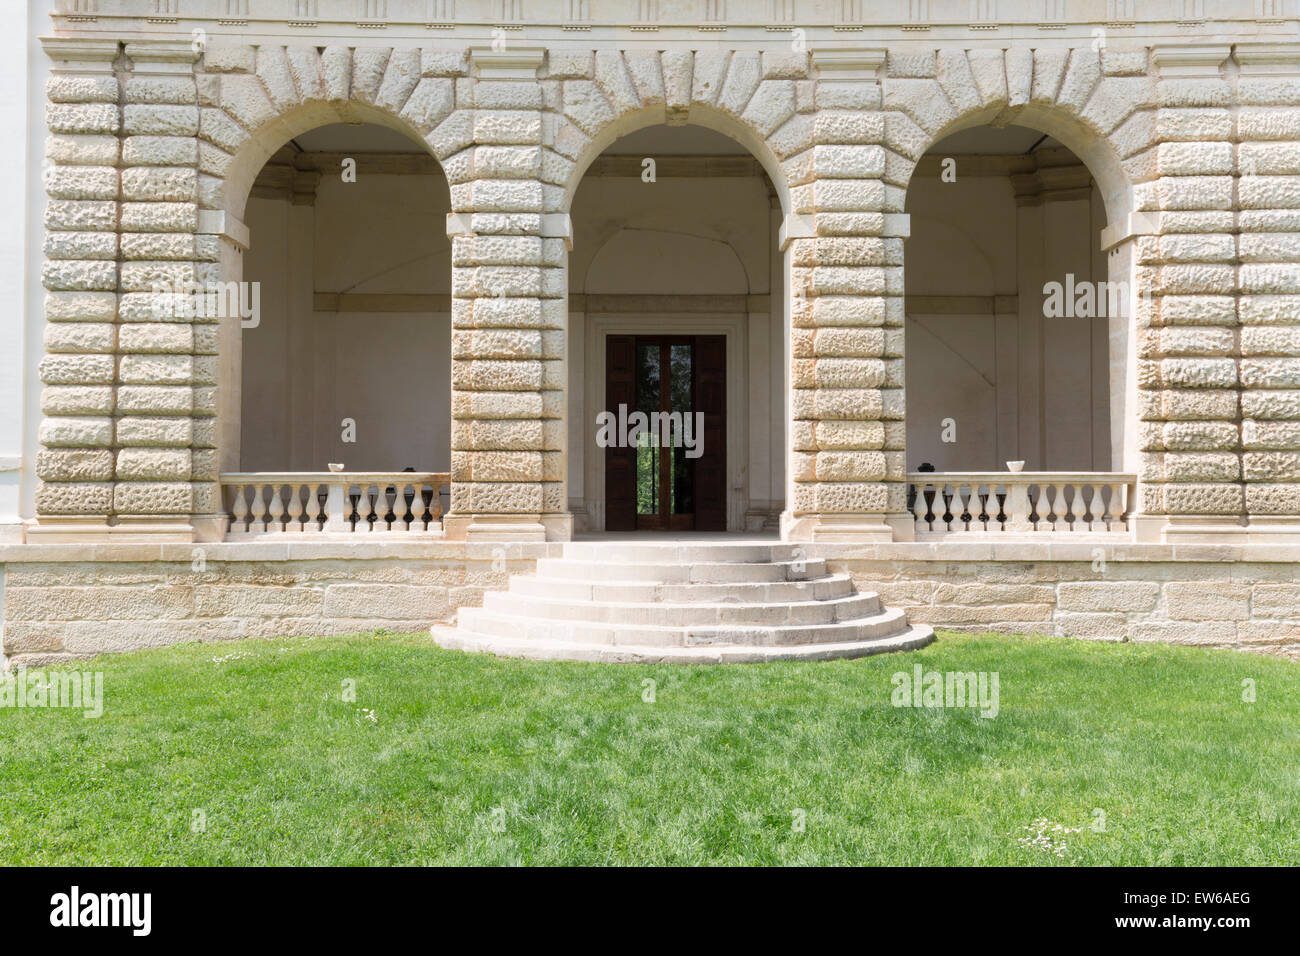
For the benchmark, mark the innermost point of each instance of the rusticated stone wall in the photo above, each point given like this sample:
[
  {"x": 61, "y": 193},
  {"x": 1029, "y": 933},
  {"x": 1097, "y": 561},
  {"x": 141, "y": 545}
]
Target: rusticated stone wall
[
  {"x": 1210, "y": 596},
  {"x": 154, "y": 146},
  {"x": 1268, "y": 312},
  {"x": 65, "y": 601}
]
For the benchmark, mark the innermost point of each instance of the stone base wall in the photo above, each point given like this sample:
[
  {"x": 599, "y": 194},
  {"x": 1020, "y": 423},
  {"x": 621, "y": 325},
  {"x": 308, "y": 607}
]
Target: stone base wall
[
  {"x": 66, "y": 601},
  {"x": 1112, "y": 593},
  {"x": 90, "y": 603}
]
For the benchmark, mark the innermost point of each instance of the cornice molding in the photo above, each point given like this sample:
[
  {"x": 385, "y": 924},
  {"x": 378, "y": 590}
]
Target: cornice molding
[
  {"x": 81, "y": 54},
  {"x": 1268, "y": 58},
  {"x": 1190, "y": 59}
]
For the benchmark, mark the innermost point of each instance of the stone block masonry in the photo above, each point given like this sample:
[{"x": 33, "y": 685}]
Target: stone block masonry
[
  {"x": 67, "y": 601},
  {"x": 155, "y": 144},
  {"x": 1205, "y": 596}
]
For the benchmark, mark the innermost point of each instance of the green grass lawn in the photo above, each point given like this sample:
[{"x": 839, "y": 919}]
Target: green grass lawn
[{"x": 471, "y": 759}]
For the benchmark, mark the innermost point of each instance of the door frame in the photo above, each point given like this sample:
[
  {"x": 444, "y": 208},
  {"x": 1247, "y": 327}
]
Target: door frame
[{"x": 734, "y": 328}]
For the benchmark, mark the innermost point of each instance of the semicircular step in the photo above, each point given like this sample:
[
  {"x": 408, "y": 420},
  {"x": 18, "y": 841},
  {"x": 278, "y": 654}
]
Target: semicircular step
[{"x": 664, "y": 602}]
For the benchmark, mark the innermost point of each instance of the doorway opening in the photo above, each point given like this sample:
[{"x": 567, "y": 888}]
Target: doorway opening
[
  {"x": 675, "y": 233},
  {"x": 667, "y": 470}
]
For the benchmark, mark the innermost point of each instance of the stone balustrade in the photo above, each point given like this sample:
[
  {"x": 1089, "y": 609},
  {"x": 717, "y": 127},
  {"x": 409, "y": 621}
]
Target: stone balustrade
[
  {"x": 263, "y": 503},
  {"x": 1027, "y": 502}
]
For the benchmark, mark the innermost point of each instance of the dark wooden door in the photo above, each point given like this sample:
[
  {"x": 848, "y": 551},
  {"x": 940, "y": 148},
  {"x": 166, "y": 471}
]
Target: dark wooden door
[
  {"x": 667, "y": 488},
  {"x": 711, "y": 466},
  {"x": 620, "y": 462}
]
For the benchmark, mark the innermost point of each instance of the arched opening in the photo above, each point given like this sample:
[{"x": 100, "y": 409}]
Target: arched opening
[
  {"x": 677, "y": 307},
  {"x": 348, "y": 362},
  {"x": 1017, "y": 332}
]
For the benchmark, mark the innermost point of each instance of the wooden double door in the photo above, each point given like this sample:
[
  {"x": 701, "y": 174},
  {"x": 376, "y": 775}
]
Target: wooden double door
[{"x": 672, "y": 475}]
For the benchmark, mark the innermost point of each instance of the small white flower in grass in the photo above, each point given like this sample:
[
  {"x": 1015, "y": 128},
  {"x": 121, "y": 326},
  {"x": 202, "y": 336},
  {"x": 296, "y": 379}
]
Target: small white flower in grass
[
  {"x": 369, "y": 715},
  {"x": 1047, "y": 836},
  {"x": 238, "y": 656}
]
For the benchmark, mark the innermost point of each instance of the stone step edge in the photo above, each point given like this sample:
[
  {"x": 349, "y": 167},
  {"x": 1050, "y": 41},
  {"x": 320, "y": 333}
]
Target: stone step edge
[
  {"x": 913, "y": 637},
  {"x": 570, "y": 561},
  {"x": 694, "y": 553},
  {"x": 830, "y": 576},
  {"x": 884, "y": 615},
  {"x": 659, "y": 605}
]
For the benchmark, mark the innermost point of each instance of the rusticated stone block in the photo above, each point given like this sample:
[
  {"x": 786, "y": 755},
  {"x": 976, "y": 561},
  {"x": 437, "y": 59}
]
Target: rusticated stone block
[
  {"x": 1204, "y": 633},
  {"x": 82, "y": 337},
  {"x": 1272, "y": 499},
  {"x": 389, "y": 600},
  {"x": 77, "y": 400},
  {"x": 151, "y": 497},
  {"x": 82, "y": 117},
  {"x": 153, "y": 464},
  {"x": 160, "y": 184},
  {"x": 75, "y": 464},
  {"x": 80, "y": 245},
  {"x": 81, "y": 498},
  {"x": 77, "y": 369},
  {"x": 155, "y": 399},
  {"x": 1103, "y": 627},
  {"x": 1095, "y": 596},
  {"x": 497, "y": 497},
  {"x": 79, "y": 276},
  {"x": 157, "y": 120},
  {"x": 1207, "y": 601},
  {"x": 164, "y": 150},
  {"x": 1206, "y": 499},
  {"x": 86, "y": 149}
]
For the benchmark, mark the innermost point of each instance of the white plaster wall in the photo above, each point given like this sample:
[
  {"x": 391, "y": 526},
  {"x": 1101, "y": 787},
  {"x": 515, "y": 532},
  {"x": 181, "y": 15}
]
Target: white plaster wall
[
  {"x": 383, "y": 234},
  {"x": 22, "y": 91},
  {"x": 304, "y": 371},
  {"x": 671, "y": 237}
]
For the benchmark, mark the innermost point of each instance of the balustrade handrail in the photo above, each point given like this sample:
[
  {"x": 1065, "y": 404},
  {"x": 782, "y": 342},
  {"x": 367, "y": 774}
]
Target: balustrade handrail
[
  {"x": 1019, "y": 477},
  {"x": 1020, "y": 502},
  {"x": 333, "y": 502},
  {"x": 332, "y": 477}
]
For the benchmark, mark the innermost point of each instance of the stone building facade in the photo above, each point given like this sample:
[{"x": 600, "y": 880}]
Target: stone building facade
[{"x": 156, "y": 118}]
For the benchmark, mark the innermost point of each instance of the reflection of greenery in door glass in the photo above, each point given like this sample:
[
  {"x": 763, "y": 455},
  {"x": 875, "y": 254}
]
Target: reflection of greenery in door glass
[
  {"x": 647, "y": 453},
  {"x": 647, "y": 476},
  {"x": 682, "y": 493}
]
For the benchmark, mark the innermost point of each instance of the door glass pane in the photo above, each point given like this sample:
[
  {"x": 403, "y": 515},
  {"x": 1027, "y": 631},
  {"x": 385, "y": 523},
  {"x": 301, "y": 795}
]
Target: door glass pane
[
  {"x": 682, "y": 493},
  {"x": 647, "y": 453}
]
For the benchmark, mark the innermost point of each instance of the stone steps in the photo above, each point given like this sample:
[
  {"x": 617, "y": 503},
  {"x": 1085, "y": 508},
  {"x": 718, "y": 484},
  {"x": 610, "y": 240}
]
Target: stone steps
[
  {"x": 733, "y": 592},
  {"x": 678, "y": 552},
  {"x": 700, "y": 572},
  {"x": 681, "y": 601},
  {"x": 481, "y": 621},
  {"x": 907, "y": 640},
  {"x": 829, "y": 611}
]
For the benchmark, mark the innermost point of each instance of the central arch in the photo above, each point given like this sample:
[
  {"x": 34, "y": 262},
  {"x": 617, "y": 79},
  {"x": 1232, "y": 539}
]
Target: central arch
[{"x": 675, "y": 266}]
